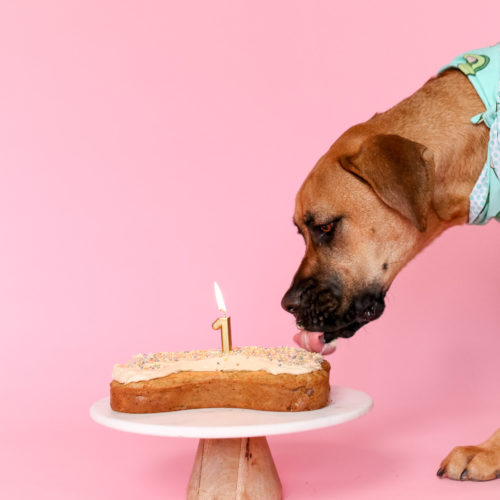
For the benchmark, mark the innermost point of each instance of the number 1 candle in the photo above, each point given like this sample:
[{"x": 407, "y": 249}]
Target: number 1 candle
[{"x": 222, "y": 323}]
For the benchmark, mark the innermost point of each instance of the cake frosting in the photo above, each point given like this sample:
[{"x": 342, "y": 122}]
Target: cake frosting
[{"x": 274, "y": 360}]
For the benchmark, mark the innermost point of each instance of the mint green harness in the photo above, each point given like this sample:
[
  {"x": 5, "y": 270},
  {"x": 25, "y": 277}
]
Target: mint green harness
[{"x": 482, "y": 67}]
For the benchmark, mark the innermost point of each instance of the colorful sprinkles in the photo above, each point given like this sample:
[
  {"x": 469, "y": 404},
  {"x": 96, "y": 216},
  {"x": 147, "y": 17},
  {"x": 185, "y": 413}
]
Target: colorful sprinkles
[{"x": 279, "y": 355}]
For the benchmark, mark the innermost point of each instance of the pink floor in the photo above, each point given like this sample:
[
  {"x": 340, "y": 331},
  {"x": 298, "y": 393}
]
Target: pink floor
[{"x": 386, "y": 454}]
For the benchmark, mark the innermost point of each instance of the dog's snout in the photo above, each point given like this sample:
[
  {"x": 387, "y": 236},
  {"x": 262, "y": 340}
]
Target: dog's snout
[
  {"x": 291, "y": 300},
  {"x": 312, "y": 302},
  {"x": 320, "y": 306}
]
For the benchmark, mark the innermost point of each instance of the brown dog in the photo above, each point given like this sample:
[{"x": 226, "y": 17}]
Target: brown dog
[{"x": 384, "y": 190}]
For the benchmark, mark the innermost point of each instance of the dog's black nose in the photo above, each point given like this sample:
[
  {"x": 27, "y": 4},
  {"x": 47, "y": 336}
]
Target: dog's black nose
[{"x": 291, "y": 300}]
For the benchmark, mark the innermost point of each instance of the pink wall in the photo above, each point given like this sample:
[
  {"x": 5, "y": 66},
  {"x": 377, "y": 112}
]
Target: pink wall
[{"x": 148, "y": 148}]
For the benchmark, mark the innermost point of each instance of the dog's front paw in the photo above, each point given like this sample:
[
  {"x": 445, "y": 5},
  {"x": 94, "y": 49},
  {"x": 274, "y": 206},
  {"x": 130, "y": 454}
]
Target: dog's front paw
[{"x": 476, "y": 463}]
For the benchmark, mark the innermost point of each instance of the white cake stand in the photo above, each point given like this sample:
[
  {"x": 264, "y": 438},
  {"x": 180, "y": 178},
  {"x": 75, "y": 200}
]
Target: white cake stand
[{"x": 233, "y": 460}]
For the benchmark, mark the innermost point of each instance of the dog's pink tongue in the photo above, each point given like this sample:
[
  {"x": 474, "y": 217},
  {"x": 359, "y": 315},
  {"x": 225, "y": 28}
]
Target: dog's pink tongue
[{"x": 313, "y": 341}]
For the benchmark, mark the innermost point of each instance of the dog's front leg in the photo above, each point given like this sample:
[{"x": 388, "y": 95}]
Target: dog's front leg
[{"x": 477, "y": 463}]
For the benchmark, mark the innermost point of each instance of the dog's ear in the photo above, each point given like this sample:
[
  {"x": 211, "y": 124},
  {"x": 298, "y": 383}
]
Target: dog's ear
[{"x": 400, "y": 172}]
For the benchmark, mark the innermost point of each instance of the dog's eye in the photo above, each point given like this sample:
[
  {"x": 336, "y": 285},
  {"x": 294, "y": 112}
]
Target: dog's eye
[{"x": 324, "y": 233}]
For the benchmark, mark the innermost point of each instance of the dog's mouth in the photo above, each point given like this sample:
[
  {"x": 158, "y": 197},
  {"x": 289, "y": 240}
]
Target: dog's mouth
[
  {"x": 344, "y": 332},
  {"x": 315, "y": 342},
  {"x": 325, "y": 342},
  {"x": 322, "y": 338},
  {"x": 318, "y": 319}
]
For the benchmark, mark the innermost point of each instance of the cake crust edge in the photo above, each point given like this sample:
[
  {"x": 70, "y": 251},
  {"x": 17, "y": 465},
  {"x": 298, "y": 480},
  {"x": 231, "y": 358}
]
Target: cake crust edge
[{"x": 255, "y": 390}]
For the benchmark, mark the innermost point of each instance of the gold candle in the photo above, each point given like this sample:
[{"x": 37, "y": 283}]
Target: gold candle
[{"x": 223, "y": 323}]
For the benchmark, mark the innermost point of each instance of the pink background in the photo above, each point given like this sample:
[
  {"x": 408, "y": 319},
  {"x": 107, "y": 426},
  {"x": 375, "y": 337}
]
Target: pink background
[{"x": 148, "y": 148}]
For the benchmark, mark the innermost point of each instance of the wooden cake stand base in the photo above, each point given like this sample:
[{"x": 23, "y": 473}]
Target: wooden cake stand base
[
  {"x": 233, "y": 460},
  {"x": 234, "y": 469}
]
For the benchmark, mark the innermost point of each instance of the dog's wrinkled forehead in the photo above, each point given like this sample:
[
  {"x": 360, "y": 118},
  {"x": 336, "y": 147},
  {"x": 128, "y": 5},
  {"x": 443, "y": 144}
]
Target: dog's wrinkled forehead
[{"x": 318, "y": 199}]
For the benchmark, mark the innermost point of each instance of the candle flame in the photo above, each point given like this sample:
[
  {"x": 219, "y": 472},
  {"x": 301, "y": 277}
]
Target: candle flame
[{"x": 219, "y": 298}]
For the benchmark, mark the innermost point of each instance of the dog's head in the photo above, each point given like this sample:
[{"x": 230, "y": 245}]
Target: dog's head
[{"x": 363, "y": 212}]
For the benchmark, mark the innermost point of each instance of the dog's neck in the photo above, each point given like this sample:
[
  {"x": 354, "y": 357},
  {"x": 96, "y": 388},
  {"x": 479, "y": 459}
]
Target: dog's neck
[{"x": 438, "y": 116}]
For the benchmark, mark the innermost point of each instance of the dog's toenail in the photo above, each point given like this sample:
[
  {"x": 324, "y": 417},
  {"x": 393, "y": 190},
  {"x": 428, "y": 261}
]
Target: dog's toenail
[
  {"x": 440, "y": 471},
  {"x": 463, "y": 476}
]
